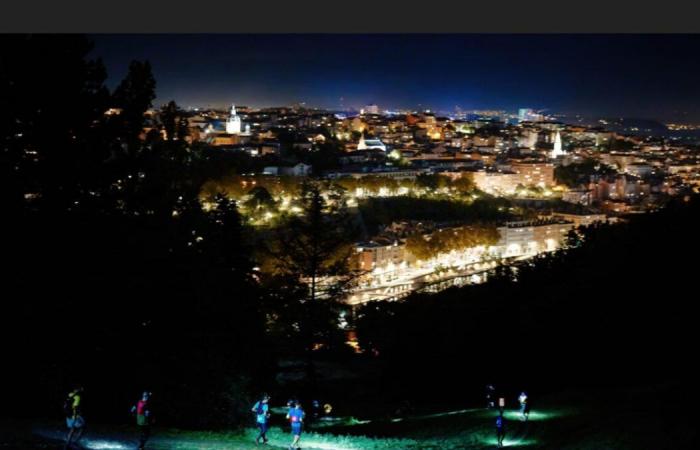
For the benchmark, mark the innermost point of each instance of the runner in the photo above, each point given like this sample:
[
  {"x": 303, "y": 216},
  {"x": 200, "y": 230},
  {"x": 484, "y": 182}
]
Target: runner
[
  {"x": 72, "y": 408},
  {"x": 262, "y": 414},
  {"x": 143, "y": 418},
  {"x": 524, "y": 410},
  {"x": 500, "y": 430},
  {"x": 296, "y": 418}
]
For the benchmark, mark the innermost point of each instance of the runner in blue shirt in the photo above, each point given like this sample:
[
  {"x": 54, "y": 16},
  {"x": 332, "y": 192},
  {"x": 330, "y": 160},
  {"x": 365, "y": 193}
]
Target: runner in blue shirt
[
  {"x": 262, "y": 413},
  {"x": 500, "y": 430},
  {"x": 296, "y": 418}
]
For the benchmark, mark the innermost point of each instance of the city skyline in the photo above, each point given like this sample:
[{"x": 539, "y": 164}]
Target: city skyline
[
  {"x": 639, "y": 76},
  {"x": 259, "y": 250}
]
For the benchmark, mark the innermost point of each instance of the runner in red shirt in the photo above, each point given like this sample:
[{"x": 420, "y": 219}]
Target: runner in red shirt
[{"x": 143, "y": 418}]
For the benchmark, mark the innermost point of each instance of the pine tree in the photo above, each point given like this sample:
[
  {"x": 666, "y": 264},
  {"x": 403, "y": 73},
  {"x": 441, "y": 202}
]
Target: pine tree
[
  {"x": 316, "y": 245},
  {"x": 134, "y": 96}
]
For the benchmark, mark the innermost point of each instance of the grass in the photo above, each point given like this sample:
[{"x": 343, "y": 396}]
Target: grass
[{"x": 630, "y": 419}]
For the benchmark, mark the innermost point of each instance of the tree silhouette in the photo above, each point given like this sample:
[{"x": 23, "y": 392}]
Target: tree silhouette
[
  {"x": 174, "y": 121},
  {"x": 315, "y": 245},
  {"x": 134, "y": 96},
  {"x": 52, "y": 142},
  {"x": 259, "y": 199}
]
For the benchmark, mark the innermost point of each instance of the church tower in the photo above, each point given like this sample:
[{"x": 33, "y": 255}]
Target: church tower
[
  {"x": 233, "y": 123},
  {"x": 557, "y": 151}
]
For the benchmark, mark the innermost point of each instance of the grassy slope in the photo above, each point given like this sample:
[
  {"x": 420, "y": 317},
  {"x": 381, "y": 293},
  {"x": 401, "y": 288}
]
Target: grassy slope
[{"x": 649, "y": 418}]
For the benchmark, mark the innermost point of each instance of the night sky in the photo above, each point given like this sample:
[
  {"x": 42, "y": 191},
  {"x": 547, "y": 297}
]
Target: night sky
[{"x": 637, "y": 76}]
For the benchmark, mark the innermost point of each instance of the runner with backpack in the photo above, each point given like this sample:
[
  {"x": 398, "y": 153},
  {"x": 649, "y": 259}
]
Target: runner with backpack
[
  {"x": 296, "y": 418},
  {"x": 143, "y": 418},
  {"x": 72, "y": 408},
  {"x": 262, "y": 414}
]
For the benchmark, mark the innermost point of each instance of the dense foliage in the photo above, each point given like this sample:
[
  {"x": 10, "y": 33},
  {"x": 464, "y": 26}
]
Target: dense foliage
[
  {"x": 457, "y": 238},
  {"x": 120, "y": 280},
  {"x": 577, "y": 174},
  {"x": 612, "y": 310},
  {"x": 377, "y": 211}
]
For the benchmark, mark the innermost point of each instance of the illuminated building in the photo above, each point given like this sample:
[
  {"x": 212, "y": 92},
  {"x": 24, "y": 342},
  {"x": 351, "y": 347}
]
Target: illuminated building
[
  {"x": 463, "y": 127},
  {"x": 529, "y": 138},
  {"x": 529, "y": 115},
  {"x": 358, "y": 125},
  {"x": 485, "y": 155},
  {"x": 580, "y": 219},
  {"x": 619, "y": 160},
  {"x": 222, "y": 140},
  {"x": 402, "y": 174},
  {"x": 639, "y": 169},
  {"x": 680, "y": 167},
  {"x": 618, "y": 207},
  {"x": 298, "y": 170},
  {"x": 534, "y": 173},
  {"x": 270, "y": 148},
  {"x": 600, "y": 190},
  {"x": 628, "y": 187},
  {"x": 530, "y": 237},
  {"x": 579, "y": 196},
  {"x": 520, "y": 173},
  {"x": 488, "y": 141},
  {"x": 373, "y": 255},
  {"x": 524, "y": 114},
  {"x": 557, "y": 151},
  {"x": 382, "y": 261},
  {"x": 496, "y": 182},
  {"x": 233, "y": 123},
  {"x": 367, "y": 144},
  {"x": 370, "y": 109}
]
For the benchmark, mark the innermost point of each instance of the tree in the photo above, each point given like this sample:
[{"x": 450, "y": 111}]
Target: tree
[
  {"x": 431, "y": 182},
  {"x": 448, "y": 239},
  {"x": 464, "y": 184},
  {"x": 146, "y": 240},
  {"x": 50, "y": 126},
  {"x": 577, "y": 174},
  {"x": 310, "y": 269},
  {"x": 134, "y": 96},
  {"x": 316, "y": 245},
  {"x": 313, "y": 250},
  {"x": 325, "y": 156},
  {"x": 259, "y": 199},
  {"x": 621, "y": 145},
  {"x": 162, "y": 174},
  {"x": 168, "y": 117},
  {"x": 174, "y": 122}
]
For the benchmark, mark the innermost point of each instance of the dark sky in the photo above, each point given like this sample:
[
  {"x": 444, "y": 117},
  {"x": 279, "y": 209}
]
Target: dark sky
[{"x": 641, "y": 76}]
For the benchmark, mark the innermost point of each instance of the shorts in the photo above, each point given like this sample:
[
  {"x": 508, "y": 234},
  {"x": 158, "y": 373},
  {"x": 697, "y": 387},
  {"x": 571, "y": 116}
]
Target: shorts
[
  {"x": 296, "y": 428},
  {"x": 78, "y": 422}
]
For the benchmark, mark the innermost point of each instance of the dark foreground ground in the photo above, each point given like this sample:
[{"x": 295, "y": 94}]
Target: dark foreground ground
[{"x": 640, "y": 418}]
